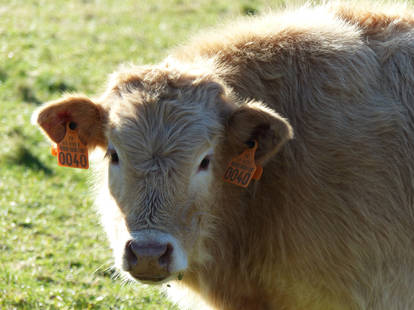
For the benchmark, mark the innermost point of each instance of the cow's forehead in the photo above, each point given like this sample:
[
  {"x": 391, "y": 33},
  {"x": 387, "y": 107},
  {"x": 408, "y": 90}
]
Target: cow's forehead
[{"x": 162, "y": 133}]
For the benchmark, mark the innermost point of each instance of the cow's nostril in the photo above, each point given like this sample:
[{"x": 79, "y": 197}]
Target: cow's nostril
[
  {"x": 165, "y": 259},
  {"x": 130, "y": 255}
]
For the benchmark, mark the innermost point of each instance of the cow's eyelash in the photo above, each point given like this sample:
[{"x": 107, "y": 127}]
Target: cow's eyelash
[{"x": 112, "y": 155}]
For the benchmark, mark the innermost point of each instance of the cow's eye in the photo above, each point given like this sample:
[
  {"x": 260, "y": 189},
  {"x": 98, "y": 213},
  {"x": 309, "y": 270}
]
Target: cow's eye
[
  {"x": 113, "y": 156},
  {"x": 204, "y": 163}
]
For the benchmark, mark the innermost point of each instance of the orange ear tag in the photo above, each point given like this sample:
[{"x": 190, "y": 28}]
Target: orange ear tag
[
  {"x": 71, "y": 152},
  {"x": 242, "y": 168}
]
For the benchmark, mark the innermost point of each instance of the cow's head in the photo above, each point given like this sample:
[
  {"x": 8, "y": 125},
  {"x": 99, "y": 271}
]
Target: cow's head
[{"x": 168, "y": 134}]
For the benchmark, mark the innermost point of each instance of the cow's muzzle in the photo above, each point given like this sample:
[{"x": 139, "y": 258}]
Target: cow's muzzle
[
  {"x": 153, "y": 256},
  {"x": 148, "y": 261}
]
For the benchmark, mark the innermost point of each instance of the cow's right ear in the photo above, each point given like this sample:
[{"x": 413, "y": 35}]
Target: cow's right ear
[{"x": 88, "y": 117}]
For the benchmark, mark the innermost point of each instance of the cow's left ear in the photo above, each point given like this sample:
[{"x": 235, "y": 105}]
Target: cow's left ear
[
  {"x": 253, "y": 121},
  {"x": 86, "y": 116}
]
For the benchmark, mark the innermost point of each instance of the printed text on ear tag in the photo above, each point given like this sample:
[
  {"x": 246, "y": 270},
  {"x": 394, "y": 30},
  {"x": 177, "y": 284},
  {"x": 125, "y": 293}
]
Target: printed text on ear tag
[
  {"x": 71, "y": 152},
  {"x": 242, "y": 168}
]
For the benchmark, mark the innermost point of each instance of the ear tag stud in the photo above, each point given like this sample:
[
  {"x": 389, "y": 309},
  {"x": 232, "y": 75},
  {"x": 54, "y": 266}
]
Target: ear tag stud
[
  {"x": 71, "y": 152},
  {"x": 242, "y": 168}
]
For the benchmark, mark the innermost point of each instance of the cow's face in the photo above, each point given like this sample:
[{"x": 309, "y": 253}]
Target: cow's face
[{"x": 168, "y": 137}]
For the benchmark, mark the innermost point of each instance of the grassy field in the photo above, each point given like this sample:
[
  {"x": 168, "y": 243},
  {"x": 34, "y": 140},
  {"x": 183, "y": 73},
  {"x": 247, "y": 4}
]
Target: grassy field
[{"x": 53, "y": 253}]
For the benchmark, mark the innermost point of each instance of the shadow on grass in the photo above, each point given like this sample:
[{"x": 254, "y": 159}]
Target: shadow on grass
[
  {"x": 27, "y": 94},
  {"x": 27, "y": 90},
  {"x": 22, "y": 156},
  {"x": 249, "y": 10}
]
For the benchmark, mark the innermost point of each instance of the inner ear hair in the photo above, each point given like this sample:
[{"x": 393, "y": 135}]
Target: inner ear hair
[
  {"x": 82, "y": 114},
  {"x": 255, "y": 122}
]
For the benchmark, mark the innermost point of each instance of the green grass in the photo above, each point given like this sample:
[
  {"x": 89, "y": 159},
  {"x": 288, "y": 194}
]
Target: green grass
[{"x": 53, "y": 252}]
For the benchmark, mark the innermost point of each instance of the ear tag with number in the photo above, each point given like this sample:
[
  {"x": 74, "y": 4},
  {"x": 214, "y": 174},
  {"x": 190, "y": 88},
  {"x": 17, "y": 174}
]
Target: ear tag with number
[
  {"x": 242, "y": 168},
  {"x": 71, "y": 152}
]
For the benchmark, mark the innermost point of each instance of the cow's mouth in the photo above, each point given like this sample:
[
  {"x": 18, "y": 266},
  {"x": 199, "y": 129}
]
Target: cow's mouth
[{"x": 149, "y": 279}]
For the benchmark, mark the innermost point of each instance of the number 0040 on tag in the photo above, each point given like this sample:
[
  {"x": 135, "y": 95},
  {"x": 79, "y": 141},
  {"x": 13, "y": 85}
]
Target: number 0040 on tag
[{"x": 71, "y": 152}]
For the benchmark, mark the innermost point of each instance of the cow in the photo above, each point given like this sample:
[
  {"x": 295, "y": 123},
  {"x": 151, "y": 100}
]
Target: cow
[{"x": 320, "y": 100}]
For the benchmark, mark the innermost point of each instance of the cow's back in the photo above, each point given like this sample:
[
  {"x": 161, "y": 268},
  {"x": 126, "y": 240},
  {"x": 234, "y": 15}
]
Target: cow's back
[{"x": 339, "y": 197}]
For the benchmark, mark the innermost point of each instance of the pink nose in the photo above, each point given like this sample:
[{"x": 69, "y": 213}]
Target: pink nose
[{"x": 148, "y": 261}]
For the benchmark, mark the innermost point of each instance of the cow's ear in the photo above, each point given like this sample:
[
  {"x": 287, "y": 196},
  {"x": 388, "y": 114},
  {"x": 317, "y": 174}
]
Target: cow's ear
[
  {"x": 253, "y": 121},
  {"x": 88, "y": 117}
]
